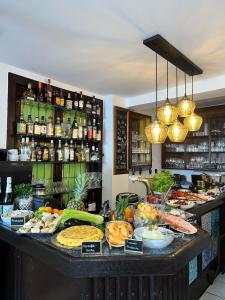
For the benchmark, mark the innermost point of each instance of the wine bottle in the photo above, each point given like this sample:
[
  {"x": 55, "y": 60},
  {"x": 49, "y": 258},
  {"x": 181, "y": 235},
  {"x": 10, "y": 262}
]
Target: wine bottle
[
  {"x": 52, "y": 151},
  {"x": 40, "y": 97},
  {"x": 48, "y": 93},
  {"x": 74, "y": 129},
  {"x": 37, "y": 127},
  {"x": 62, "y": 100},
  {"x": 38, "y": 152},
  {"x": 45, "y": 153},
  {"x": 69, "y": 102},
  {"x": 30, "y": 126},
  {"x": 58, "y": 128},
  {"x": 81, "y": 102},
  {"x": 71, "y": 151},
  {"x": 94, "y": 107},
  {"x": 43, "y": 126},
  {"x": 7, "y": 205},
  {"x": 66, "y": 152},
  {"x": 59, "y": 152},
  {"x": 50, "y": 127},
  {"x": 21, "y": 125},
  {"x": 75, "y": 102}
]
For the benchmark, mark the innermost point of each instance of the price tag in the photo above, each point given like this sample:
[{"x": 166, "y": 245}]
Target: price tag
[
  {"x": 133, "y": 246},
  {"x": 17, "y": 221},
  {"x": 91, "y": 248}
]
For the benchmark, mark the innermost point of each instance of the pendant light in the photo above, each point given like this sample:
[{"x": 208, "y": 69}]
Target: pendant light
[
  {"x": 177, "y": 132},
  {"x": 156, "y": 132},
  {"x": 167, "y": 113},
  {"x": 185, "y": 106},
  {"x": 194, "y": 121}
]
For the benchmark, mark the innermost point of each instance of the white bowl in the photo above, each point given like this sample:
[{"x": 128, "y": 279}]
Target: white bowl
[{"x": 155, "y": 244}]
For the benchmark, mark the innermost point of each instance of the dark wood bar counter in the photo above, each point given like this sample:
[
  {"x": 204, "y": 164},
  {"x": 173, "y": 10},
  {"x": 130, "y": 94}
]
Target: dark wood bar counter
[{"x": 37, "y": 269}]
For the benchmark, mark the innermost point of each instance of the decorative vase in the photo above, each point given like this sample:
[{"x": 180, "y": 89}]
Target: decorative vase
[{"x": 25, "y": 203}]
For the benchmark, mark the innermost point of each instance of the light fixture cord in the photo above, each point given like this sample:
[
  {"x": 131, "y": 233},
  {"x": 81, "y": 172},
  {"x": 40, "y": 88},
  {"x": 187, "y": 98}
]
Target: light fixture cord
[
  {"x": 176, "y": 86},
  {"x": 192, "y": 88},
  {"x": 185, "y": 84},
  {"x": 156, "y": 83},
  {"x": 167, "y": 77}
]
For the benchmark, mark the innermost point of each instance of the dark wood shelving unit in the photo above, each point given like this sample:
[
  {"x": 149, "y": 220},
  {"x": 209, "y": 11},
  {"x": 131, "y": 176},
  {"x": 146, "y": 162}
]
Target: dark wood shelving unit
[
  {"x": 210, "y": 135},
  {"x": 16, "y": 85}
]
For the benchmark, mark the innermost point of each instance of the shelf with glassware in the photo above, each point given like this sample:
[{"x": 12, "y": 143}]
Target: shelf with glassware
[
  {"x": 202, "y": 150},
  {"x": 140, "y": 152},
  {"x": 58, "y": 131}
]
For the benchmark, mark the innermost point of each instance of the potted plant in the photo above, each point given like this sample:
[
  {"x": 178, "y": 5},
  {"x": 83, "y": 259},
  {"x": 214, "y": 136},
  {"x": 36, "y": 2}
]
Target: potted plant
[
  {"x": 24, "y": 194},
  {"x": 162, "y": 181}
]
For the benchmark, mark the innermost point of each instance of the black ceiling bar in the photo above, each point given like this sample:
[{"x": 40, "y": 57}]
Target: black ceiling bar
[{"x": 162, "y": 47}]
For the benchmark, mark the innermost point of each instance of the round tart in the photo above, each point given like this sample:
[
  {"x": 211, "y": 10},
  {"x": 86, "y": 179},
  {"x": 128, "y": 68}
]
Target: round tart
[{"x": 74, "y": 236}]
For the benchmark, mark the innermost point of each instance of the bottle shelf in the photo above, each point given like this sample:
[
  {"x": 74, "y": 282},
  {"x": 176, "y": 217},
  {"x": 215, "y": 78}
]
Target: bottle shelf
[{"x": 51, "y": 162}]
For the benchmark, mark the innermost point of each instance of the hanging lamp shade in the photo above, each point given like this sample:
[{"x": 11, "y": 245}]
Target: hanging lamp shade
[
  {"x": 177, "y": 132},
  {"x": 185, "y": 106},
  {"x": 156, "y": 132},
  {"x": 167, "y": 113},
  {"x": 193, "y": 122}
]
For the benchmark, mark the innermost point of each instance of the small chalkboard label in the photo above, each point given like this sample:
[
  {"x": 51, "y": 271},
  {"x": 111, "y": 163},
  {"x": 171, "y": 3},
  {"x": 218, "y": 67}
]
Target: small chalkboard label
[
  {"x": 133, "y": 246},
  {"x": 17, "y": 221},
  {"x": 91, "y": 248}
]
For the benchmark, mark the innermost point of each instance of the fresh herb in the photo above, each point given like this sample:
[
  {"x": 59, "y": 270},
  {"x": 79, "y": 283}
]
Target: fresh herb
[
  {"x": 24, "y": 190},
  {"x": 162, "y": 181}
]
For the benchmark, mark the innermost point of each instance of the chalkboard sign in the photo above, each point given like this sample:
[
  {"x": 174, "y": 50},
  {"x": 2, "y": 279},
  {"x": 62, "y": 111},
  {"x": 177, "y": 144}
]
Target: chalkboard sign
[
  {"x": 17, "y": 221},
  {"x": 133, "y": 246},
  {"x": 91, "y": 248},
  {"x": 120, "y": 140}
]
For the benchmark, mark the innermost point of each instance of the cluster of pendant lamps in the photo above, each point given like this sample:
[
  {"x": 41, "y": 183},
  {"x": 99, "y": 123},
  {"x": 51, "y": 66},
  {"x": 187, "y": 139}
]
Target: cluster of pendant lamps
[{"x": 167, "y": 122}]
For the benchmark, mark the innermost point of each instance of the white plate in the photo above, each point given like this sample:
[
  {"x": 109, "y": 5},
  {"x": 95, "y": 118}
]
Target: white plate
[
  {"x": 189, "y": 205},
  {"x": 171, "y": 203}
]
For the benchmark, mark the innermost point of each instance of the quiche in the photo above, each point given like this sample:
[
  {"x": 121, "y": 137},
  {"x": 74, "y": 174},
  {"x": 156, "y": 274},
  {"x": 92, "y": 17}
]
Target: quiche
[{"x": 74, "y": 236}]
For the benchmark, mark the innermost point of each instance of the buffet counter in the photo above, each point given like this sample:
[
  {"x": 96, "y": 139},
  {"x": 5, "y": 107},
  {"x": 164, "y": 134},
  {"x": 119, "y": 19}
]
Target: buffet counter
[{"x": 34, "y": 268}]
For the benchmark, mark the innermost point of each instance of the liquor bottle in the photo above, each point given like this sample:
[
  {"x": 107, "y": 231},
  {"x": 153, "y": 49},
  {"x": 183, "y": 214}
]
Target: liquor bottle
[
  {"x": 58, "y": 128},
  {"x": 33, "y": 156},
  {"x": 48, "y": 94},
  {"x": 84, "y": 129},
  {"x": 88, "y": 107},
  {"x": 50, "y": 127},
  {"x": 30, "y": 126},
  {"x": 37, "y": 127},
  {"x": 69, "y": 102},
  {"x": 21, "y": 125},
  {"x": 97, "y": 154},
  {"x": 29, "y": 94},
  {"x": 87, "y": 153},
  {"x": 1, "y": 197},
  {"x": 75, "y": 102},
  {"x": 92, "y": 203},
  {"x": 38, "y": 152},
  {"x": 74, "y": 129},
  {"x": 99, "y": 133},
  {"x": 82, "y": 153},
  {"x": 45, "y": 153},
  {"x": 93, "y": 156},
  {"x": 57, "y": 97},
  {"x": 68, "y": 128},
  {"x": 59, "y": 152},
  {"x": 52, "y": 151},
  {"x": 43, "y": 126},
  {"x": 94, "y": 107},
  {"x": 7, "y": 205},
  {"x": 66, "y": 152},
  {"x": 40, "y": 96},
  {"x": 62, "y": 100},
  {"x": 94, "y": 130},
  {"x": 80, "y": 130},
  {"x": 27, "y": 149},
  {"x": 71, "y": 151},
  {"x": 76, "y": 153},
  {"x": 81, "y": 102},
  {"x": 89, "y": 130},
  {"x": 22, "y": 147},
  {"x": 98, "y": 109}
]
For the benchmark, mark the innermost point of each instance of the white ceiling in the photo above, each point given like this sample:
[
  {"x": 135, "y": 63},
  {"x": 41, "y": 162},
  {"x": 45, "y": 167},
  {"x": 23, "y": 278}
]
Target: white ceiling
[{"x": 97, "y": 44}]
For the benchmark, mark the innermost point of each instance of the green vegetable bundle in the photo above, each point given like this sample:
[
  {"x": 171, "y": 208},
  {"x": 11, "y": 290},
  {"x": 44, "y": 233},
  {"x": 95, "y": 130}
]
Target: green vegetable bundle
[
  {"x": 81, "y": 216},
  {"x": 162, "y": 181}
]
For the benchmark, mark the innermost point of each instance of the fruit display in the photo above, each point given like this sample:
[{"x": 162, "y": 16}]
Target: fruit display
[
  {"x": 74, "y": 236},
  {"x": 121, "y": 205},
  {"x": 43, "y": 222},
  {"x": 117, "y": 232},
  {"x": 146, "y": 214},
  {"x": 80, "y": 193}
]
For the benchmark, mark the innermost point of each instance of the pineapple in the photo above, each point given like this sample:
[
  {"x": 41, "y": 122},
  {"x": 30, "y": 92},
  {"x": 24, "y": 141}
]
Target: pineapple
[{"x": 80, "y": 193}]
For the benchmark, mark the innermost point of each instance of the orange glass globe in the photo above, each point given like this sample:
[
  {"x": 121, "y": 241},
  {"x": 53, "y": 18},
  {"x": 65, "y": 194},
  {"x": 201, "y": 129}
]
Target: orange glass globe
[
  {"x": 193, "y": 122},
  {"x": 156, "y": 132},
  {"x": 167, "y": 113},
  {"x": 185, "y": 106},
  {"x": 177, "y": 132}
]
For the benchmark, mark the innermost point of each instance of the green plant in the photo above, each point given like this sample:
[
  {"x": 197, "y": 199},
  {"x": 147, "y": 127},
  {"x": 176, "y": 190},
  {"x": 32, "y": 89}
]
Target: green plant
[
  {"x": 162, "y": 181},
  {"x": 121, "y": 205},
  {"x": 24, "y": 190}
]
